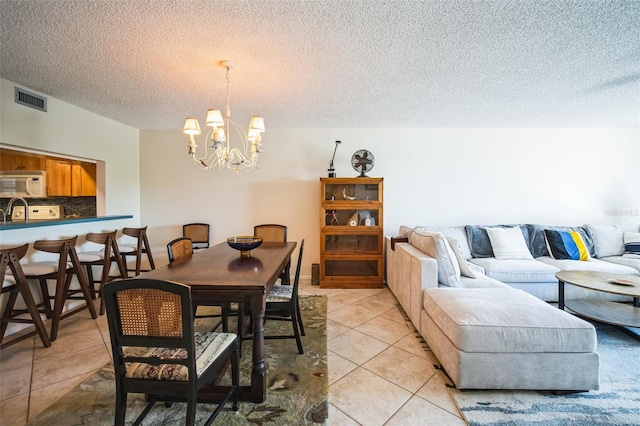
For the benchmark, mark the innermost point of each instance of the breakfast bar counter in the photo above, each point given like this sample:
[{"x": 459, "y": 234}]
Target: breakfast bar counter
[{"x": 11, "y": 225}]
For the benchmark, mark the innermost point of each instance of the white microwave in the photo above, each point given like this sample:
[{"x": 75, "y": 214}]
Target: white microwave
[{"x": 23, "y": 183}]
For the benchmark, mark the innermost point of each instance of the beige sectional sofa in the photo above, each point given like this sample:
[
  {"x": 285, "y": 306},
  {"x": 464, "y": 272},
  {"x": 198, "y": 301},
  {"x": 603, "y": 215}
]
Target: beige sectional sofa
[
  {"x": 537, "y": 277},
  {"x": 457, "y": 262}
]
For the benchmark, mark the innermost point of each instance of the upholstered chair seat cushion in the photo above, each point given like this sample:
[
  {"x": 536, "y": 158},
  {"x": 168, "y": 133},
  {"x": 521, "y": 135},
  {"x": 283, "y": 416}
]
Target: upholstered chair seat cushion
[
  {"x": 127, "y": 248},
  {"x": 280, "y": 293},
  {"x": 208, "y": 347},
  {"x": 90, "y": 256},
  {"x": 42, "y": 268}
]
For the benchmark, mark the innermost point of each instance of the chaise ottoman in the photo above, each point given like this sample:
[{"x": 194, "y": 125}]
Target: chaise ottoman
[{"x": 503, "y": 338}]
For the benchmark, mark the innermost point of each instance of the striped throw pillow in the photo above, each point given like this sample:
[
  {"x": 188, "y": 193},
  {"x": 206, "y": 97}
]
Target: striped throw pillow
[
  {"x": 631, "y": 244},
  {"x": 566, "y": 245}
]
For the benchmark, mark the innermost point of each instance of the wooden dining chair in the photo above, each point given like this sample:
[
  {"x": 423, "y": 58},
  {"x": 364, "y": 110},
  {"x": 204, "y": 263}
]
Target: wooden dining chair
[
  {"x": 62, "y": 271},
  {"x": 156, "y": 350},
  {"x": 271, "y": 232},
  {"x": 137, "y": 250},
  {"x": 276, "y": 234},
  {"x": 284, "y": 298},
  {"x": 16, "y": 284},
  {"x": 198, "y": 233},
  {"x": 104, "y": 258},
  {"x": 181, "y": 248}
]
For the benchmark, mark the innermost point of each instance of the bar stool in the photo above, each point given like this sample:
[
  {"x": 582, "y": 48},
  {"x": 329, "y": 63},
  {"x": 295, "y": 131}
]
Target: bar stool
[
  {"x": 62, "y": 271},
  {"x": 136, "y": 250},
  {"x": 104, "y": 258},
  {"x": 15, "y": 284}
]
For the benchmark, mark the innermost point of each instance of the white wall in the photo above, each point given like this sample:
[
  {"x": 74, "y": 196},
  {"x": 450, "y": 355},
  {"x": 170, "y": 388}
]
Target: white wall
[
  {"x": 432, "y": 176},
  {"x": 69, "y": 130}
]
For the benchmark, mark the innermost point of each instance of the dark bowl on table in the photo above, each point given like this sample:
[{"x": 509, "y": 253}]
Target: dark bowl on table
[{"x": 245, "y": 244}]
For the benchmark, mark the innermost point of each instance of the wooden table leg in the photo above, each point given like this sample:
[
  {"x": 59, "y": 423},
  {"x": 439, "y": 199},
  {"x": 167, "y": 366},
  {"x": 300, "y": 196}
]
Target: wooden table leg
[{"x": 258, "y": 373}]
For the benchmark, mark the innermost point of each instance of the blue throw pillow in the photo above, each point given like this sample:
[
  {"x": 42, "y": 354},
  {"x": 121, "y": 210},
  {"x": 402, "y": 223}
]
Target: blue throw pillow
[
  {"x": 538, "y": 245},
  {"x": 566, "y": 245}
]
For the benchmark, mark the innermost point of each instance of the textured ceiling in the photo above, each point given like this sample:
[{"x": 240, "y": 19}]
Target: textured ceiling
[{"x": 453, "y": 63}]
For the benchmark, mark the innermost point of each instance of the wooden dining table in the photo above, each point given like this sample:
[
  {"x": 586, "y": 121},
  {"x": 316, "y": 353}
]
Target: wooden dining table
[{"x": 219, "y": 274}]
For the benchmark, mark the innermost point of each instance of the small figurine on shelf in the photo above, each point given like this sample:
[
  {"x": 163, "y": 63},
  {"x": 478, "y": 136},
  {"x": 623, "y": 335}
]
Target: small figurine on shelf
[
  {"x": 354, "y": 220},
  {"x": 366, "y": 219},
  {"x": 348, "y": 197},
  {"x": 334, "y": 217}
]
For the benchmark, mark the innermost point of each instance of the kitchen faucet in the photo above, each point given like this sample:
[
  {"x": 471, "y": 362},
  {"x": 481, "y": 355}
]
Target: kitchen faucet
[{"x": 26, "y": 208}]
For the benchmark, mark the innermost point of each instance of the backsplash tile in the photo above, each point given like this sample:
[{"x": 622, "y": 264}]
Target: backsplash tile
[{"x": 73, "y": 206}]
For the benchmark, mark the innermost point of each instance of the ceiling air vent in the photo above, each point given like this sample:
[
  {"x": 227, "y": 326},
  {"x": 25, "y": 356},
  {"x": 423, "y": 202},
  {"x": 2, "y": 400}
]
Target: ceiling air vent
[{"x": 31, "y": 99}]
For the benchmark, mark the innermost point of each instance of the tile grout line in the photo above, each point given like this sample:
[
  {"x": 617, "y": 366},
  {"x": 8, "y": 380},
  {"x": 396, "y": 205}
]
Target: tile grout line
[{"x": 413, "y": 394}]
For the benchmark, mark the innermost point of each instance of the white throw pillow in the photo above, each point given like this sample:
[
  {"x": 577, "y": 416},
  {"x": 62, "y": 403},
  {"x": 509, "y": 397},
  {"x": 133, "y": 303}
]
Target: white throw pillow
[
  {"x": 458, "y": 233},
  {"x": 608, "y": 239},
  {"x": 435, "y": 245},
  {"x": 462, "y": 262},
  {"x": 508, "y": 243}
]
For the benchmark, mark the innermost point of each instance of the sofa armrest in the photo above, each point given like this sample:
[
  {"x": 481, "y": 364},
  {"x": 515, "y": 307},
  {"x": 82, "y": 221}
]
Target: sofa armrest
[
  {"x": 416, "y": 272},
  {"x": 395, "y": 240}
]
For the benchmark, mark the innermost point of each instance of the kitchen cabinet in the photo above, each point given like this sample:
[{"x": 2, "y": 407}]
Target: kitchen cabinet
[
  {"x": 83, "y": 179},
  {"x": 65, "y": 177},
  {"x": 13, "y": 160},
  {"x": 58, "y": 177},
  {"x": 351, "y": 240},
  {"x": 70, "y": 178}
]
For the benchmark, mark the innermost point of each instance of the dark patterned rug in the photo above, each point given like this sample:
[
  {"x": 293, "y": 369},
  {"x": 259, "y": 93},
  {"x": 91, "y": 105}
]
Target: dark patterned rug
[
  {"x": 297, "y": 385},
  {"x": 617, "y": 402}
]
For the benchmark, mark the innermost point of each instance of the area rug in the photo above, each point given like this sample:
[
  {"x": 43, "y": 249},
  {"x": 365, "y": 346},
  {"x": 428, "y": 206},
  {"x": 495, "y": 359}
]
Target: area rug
[
  {"x": 297, "y": 385},
  {"x": 617, "y": 402}
]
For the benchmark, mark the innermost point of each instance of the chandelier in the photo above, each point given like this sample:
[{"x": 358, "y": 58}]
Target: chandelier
[{"x": 218, "y": 151}]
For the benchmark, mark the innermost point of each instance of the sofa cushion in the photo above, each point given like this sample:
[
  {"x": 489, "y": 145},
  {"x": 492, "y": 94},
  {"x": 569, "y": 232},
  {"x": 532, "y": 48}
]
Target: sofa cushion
[
  {"x": 508, "y": 243},
  {"x": 632, "y": 262},
  {"x": 596, "y": 265},
  {"x": 566, "y": 245},
  {"x": 538, "y": 243},
  {"x": 435, "y": 245},
  {"x": 462, "y": 262},
  {"x": 475, "y": 268},
  {"x": 608, "y": 239},
  {"x": 504, "y": 320},
  {"x": 631, "y": 242},
  {"x": 517, "y": 271},
  {"x": 481, "y": 281},
  {"x": 458, "y": 233},
  {"x": 479, "y": 242},
  {"x": 405, "y": 231}
]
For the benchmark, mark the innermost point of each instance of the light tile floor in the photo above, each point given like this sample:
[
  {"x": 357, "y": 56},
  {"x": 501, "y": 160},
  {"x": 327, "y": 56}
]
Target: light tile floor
[{"x": 379, "y": 371}]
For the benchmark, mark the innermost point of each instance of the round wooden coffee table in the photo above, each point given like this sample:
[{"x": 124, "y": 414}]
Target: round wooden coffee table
[{"x": 615, "y": 313}]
